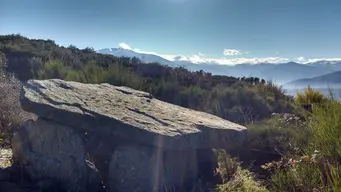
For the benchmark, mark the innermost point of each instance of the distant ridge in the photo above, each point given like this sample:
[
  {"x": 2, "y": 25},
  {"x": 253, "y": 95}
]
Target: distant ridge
[
  {"x": 279, "y": 73},
  {"x": 323, "y": 81}
]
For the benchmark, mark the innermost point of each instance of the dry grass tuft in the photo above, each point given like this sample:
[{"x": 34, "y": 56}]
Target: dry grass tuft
[{"x": 235, "y": 178}]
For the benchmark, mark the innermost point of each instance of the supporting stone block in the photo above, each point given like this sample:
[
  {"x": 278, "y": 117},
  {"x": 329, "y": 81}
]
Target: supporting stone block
[
  {"x": 141, "y": 168},
  {"x": 47, "y": 150}
]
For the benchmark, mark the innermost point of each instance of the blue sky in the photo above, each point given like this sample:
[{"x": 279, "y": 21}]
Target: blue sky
[{"x": 245, "y": 30}]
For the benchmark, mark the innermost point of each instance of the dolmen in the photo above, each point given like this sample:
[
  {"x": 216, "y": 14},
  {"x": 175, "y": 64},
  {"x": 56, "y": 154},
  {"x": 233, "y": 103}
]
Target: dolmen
[{"x": 95, "y": 137}]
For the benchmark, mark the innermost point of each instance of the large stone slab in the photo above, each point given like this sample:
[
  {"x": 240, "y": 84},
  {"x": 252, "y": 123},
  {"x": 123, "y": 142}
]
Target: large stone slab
[{"x": 129, "y": 113}]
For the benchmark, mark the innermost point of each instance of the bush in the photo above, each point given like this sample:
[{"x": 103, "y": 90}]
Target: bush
[
  {"x": 235, "y": 179},
  {"x": 282, "y": 134},
  {"x": 53, "y": 69},
  {"x": 11, "y": 114},
  {"x": 303, "y": 177}
]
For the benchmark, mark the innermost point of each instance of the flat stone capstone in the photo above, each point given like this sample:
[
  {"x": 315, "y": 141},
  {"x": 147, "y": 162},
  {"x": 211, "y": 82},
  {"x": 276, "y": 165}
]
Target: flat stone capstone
[{"x": 129, "y": 113}]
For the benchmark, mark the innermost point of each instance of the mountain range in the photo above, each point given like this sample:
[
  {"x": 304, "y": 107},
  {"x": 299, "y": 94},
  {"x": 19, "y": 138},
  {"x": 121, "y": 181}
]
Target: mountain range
[
  {"x": 330, "y": 80},
  {"x": 286, "y": 74}
]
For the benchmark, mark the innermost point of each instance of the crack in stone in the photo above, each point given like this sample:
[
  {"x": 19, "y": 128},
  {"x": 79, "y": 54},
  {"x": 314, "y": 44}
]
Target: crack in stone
[{"x": 150, "y": 116}]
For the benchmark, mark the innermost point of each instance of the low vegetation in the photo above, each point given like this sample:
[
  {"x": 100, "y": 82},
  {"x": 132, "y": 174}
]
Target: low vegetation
[
  {"x": 288, "y": 148},
  {"x": 304, "y": 151},
  {"x": 11, "y": 114}
]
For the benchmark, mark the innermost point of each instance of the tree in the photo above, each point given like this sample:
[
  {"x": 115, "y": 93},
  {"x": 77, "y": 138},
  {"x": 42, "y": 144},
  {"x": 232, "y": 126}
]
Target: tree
[
  {"x": 263, "y": 81},
  {"x": 72, "y": 47},
  {"x": 89, "y": 50}
]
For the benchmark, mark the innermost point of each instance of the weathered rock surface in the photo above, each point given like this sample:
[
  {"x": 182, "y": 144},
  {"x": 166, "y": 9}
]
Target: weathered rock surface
[
  {"x": 128, "y": 113},
  {"x": 141, "y": 169},
  {"x": 47, "y": 150}
]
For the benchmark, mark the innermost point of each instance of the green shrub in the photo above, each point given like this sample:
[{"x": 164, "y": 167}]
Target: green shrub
[
  {"x": 301, "y": 177},
  {"x": 282, "y": 134},
  {"x": 53, "y": 69}
]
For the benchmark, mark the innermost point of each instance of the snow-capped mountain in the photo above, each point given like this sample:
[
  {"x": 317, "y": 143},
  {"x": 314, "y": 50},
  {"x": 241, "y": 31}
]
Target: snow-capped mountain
[
  {"x": 146, "y": 58},
  {"x": 332, "y": 65}
]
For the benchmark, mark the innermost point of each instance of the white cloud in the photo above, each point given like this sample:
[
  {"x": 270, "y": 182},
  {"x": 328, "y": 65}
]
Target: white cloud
[
  {"x": 197, "y": 59},
  {"x": 300, "y": 59},
  {"x": 202, "y": 58},
  {"x": 323, "y": 59},
  {"x": 255, "y": 60},
  {"x": 231, "y": 52},
  {"x": 124, "y": 46}
]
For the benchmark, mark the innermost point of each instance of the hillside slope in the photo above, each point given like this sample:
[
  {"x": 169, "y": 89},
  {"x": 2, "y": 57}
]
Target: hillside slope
[{"x": 237, "y": 99}]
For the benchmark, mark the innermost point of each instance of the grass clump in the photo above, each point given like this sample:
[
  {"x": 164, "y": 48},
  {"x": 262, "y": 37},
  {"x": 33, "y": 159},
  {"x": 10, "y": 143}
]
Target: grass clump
[
  {"x": 309, "y": 96},
  {"x": 326, "y": 127}
]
